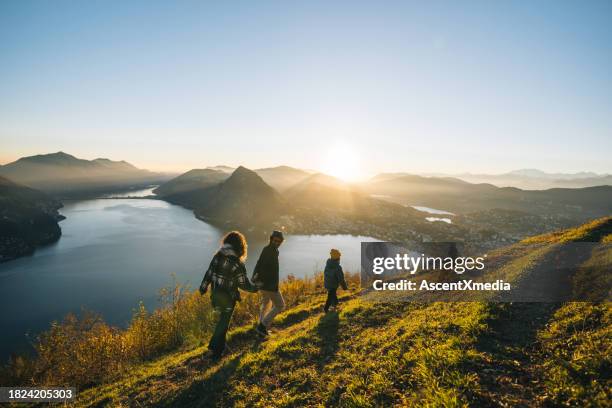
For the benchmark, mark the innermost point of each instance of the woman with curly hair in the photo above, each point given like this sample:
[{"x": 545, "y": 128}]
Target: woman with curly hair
[{"x": 226, "y": 274}]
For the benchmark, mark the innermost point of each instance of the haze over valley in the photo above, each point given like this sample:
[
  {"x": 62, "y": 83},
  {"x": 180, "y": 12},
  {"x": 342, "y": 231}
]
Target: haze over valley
[
  {"x": 308, "y": 202},
  {"x": 117, "y": 214}
]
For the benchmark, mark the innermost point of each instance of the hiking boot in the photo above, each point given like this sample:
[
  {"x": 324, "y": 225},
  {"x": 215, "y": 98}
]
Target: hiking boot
[
  {"x": 212, "y": 355},
  {"x": 261, "y": 330},
  {"x": 215, "y": 355}
]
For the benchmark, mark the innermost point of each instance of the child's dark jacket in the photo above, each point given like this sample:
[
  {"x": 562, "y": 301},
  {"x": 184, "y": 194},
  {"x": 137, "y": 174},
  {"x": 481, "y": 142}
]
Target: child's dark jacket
[{"x": 333, "y": 276}]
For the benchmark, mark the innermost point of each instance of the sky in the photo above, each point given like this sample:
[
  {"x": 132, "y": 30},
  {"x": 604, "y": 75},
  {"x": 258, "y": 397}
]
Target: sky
[{"x": 352, "y": 88}]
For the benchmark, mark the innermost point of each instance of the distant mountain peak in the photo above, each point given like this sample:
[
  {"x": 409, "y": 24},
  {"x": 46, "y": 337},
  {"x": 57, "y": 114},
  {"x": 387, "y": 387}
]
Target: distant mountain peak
[
  {"x": 223, "y": 168},
  {"x": 242, "y": 171},
  {"x": 282, "y": 167},
  {"x": 62, "y": 172},
  {"x": 243, "y": 199},
  {"x": 122, "y": 164},
  {"x": 536, "y": 173},
  {"x": 50, "y": 156},
  {"x": 529, "y": 172},
  {"x": 244, "y": 175}
]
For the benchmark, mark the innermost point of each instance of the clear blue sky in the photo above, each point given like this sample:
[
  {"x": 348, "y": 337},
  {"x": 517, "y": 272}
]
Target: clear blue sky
[{"x": 388, "y": 86}]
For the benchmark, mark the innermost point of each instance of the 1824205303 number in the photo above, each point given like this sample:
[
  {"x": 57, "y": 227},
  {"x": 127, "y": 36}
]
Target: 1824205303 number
[{"x": 34, "y": 394}]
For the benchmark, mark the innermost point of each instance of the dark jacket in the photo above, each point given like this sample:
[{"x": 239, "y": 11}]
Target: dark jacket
[
  {"x": 265, "y": 275},
  {"x": 333, "y": 276},
  {"x": 226, "y": 272}
]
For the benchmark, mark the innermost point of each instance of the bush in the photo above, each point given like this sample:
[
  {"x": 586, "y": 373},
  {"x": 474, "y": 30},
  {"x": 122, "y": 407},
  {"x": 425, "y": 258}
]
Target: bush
[{"x": 85, "y": 351}]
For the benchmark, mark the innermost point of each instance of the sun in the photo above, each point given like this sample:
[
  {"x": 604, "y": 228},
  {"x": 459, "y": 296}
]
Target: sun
[{"x": 341, "y": 161}]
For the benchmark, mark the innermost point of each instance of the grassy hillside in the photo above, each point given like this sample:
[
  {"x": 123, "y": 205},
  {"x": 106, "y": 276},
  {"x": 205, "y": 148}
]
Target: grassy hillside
[{"x": 400, "y": 353}]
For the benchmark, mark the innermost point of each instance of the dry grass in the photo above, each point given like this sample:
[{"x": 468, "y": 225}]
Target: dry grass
[
  {"x": 85, "y": 351},
  {"x": 444, "y": 354}
]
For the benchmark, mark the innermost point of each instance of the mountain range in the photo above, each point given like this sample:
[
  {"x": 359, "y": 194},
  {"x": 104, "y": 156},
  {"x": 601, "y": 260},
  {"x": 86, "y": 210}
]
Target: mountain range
[
  {"x": 534, "y": 179},
  {"x": 317, "y": 204},
  {"x": 190, "y": 181},
  {"x": 303, "y": 200},
  {"x": 459, "y": 196},
  {"x": 317, "y": 201},
  {"x": 63, "y": 174},
  {"x": 280, "y": 178},
  {"x": 242, "y": 199}
]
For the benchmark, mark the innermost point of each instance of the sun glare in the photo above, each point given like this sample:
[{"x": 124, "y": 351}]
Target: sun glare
[{"x": 342, "y": 161}]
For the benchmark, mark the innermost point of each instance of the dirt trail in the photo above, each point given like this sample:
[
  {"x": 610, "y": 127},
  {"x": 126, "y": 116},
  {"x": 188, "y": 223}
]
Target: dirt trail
[
  {"x": 551, "y": 280},
  {"x": 514, "y": 375},
  {"x": 510, "y": 374}
]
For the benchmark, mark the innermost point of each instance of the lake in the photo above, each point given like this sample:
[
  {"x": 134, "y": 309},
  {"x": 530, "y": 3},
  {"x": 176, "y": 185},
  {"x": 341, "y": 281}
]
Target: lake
[
  {"x": 114, "y": 253},
  {"x": 431, "y": 210}
]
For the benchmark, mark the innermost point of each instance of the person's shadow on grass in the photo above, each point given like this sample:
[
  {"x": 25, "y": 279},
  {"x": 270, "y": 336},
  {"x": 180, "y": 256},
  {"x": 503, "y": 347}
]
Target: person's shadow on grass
[
  {"x": 208, "y": 392},
  {"x": 327, "y": 334}
]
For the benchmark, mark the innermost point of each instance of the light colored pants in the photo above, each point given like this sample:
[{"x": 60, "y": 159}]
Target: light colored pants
[{"x": 278, "y": 305}]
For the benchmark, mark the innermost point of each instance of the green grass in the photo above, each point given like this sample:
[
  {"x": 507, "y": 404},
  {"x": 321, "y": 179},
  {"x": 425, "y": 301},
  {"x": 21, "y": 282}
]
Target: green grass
[
  {"x": 380, "y": 354},
  {"x": 593, "y": 231},
  {"x": 369, "y": 354},
  {"x": 577, "y": 355}
]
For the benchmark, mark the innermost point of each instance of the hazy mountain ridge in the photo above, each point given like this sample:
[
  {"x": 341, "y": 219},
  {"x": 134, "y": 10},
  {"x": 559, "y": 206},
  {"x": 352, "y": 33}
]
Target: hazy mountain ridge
[
  {"x": 322, "y": 204},
  {"x": 28, "y": 218},
  {"x": 321, "y": 179},
  {"x": 192, "y": 180},
  {"x": 543, "y": 174},
  {"x": 461, "y": 197},
  {"x": 282, "y": 177},
  {"x": 534, "y": 179},
  {"x": 61, "y": 173},
  {"x": 241, "y": 200},
  {"x": 221, "y": 167}
]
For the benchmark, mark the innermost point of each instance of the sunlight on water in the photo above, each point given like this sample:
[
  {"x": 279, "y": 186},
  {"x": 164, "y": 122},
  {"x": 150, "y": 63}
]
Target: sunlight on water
[
  {"x": 434, "y": 219},
  {"x": 431, "y": 210}
]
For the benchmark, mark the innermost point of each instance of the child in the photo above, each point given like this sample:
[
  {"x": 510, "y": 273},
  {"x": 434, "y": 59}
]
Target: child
[{"x": 332, "y": 278}]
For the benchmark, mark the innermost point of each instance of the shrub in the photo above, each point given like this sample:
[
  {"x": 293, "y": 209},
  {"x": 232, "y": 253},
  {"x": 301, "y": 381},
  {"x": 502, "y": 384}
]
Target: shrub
[{"x": 84, "y": 351}]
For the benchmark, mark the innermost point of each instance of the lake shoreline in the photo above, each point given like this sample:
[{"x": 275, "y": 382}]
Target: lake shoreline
[{"x": 116, "y": 253}]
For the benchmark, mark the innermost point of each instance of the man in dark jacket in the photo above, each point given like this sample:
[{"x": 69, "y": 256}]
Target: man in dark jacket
[{"x": 266, "y": 279}]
